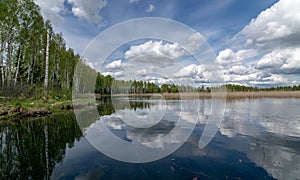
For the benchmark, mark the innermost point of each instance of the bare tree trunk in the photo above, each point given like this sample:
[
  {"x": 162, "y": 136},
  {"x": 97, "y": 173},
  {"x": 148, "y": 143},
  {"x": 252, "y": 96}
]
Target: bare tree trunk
[
  {"x": 10, "y": 50},
  {"x": 28, "y": 74},
  {"x": 47, "y": 61},
  {"x": 56, "y": 72},
  {"x": 76, "y": 81},
  {"x": 8, "y": 62},
  {"x": 32, "y": 71},
  {"x": 67, "y": 75},
  {"x": 2, "y": 64},
  {"x": 18, "y": 66},
  {"x": 29, "y": 69}
]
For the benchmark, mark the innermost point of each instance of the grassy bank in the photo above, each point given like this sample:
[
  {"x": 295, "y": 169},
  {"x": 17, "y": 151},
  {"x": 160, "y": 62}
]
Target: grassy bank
[{"x": 21, "y": 108}]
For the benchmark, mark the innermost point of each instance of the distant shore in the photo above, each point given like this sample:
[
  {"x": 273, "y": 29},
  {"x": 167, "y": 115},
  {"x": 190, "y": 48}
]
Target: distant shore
[{"x": 228, "y": 95}]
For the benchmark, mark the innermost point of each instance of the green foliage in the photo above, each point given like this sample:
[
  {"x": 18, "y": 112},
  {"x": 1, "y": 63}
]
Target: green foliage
[
  {"x": 23, "y": 42},
  {"x": 17, "y": 103},
  {"x": 104, "y": 84},
  {"x": 239, "y": 88}
]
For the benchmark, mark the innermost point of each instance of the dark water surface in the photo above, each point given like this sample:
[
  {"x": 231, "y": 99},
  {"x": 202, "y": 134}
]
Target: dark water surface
[{"x": 258, "y": 139}]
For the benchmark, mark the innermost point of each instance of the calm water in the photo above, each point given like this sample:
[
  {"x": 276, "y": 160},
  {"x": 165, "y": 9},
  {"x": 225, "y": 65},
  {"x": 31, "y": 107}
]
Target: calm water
[{"x": 258, "y": 139}]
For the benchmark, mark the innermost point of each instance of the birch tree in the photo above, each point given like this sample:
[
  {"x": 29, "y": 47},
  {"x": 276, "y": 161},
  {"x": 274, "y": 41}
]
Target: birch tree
[{"x": 47, "y": 60}]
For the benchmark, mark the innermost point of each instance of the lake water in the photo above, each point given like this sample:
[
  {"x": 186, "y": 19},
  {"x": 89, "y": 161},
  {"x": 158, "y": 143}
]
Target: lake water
[{"x": 257, "y": 139}]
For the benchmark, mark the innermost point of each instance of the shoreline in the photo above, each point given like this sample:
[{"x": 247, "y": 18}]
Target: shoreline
[
  {"x": 43, "y": 108},
  {"x": 27, "y": 108},
  {"x": 227, "y": 95}
]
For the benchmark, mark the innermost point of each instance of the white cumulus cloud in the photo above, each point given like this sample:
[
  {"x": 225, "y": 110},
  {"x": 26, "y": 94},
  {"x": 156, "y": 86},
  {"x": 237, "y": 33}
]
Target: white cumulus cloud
[
  {"x": 88, "y": 9},
  {"x": 114, "y": 65},
  {"x": 275, "y": 26},
  {"x": 155, "y": 49},
  {"x": 191, "y": 71},
  {"x": 150, "y": 8},
  {"x": 51, "y": 9},
  {"x": 228, "y": 56},
  {"x": 238, "y": 69},
  {"x": 194, "y": 42},
  {"x": 271, "y": 51},
  {"x": 283, "y": 61}
]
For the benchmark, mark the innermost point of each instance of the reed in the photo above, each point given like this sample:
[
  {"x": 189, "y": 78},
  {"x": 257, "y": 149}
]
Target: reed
[{"x": 228, "y": 95}]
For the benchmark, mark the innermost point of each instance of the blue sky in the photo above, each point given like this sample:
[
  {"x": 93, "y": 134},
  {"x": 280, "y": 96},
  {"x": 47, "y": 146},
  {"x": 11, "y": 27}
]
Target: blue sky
[{"x": 246, "y": 36}]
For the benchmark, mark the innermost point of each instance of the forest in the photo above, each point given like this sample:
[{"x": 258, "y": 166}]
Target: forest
[
  {"x": 241, "y": 88},
  {"x": 34, "y": 60}
]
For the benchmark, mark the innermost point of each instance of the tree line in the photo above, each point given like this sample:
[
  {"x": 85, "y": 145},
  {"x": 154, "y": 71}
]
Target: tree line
[
  {"x": 241, "y": 88},
  {"x": 33, "y": 58},
  {"x": 110, "y": 85}
]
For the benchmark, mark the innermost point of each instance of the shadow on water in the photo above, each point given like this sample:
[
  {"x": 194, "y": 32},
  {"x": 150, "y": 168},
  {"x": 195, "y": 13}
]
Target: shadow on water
[
  {"x": 31, "y": 149},
  {"x": 258, "y": 139}
]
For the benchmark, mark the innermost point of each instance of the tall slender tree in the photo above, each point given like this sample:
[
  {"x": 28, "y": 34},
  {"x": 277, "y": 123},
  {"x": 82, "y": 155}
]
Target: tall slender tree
[{"x": 47, "y": 59}]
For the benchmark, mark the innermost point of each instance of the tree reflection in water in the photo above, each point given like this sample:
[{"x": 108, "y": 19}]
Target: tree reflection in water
[
  {"x": 258, "y": 139},
  {"x": 31, "y": 150}
]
